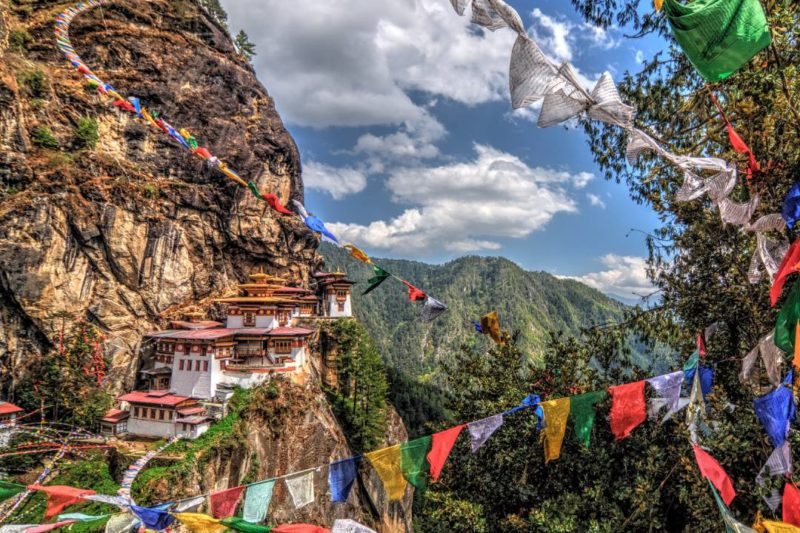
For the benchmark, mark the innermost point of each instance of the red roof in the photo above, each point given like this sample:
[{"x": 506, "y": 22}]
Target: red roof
[
  {"x": 115, "y": 415},
  {"x": 191, "y": 411},
  {"x": 309, "y": 297},
  {"x": 200, "y": 334},
  {"x": 201, "y": 324},
  {"x": 153, "y": 398},
  {"x": 7, "y": 408},
  {"x": 291, "y": 289},
  {"x": 295, "y": 332},
  {"x": 192, "y": 420}
]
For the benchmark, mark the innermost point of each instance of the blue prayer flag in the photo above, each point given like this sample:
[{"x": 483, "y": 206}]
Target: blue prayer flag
[
  {"x": 319, "y": 226},
  {"x": 477, "y": 325},
  {"x": 341, "y": 476},
  {"x": 706, "y": 378},
  {"x": 791, "y": 206},
  {"x": 153, "y": 517},
  {"x": 776, "y": 410}
]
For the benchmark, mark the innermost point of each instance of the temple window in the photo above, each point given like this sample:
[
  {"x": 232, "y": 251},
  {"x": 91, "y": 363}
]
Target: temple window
[
  {"x": 283, "y": 347},
  {"x": 249, "y": 319}
]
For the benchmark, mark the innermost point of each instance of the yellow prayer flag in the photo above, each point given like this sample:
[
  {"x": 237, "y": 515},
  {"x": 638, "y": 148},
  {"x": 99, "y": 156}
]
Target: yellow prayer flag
[
  {"x": 556, "y": 413},
  {"x": 200, "y": 523},
  {"x": 149, "y": 118},
  {"x": 232, "y": 175},
  {"x": 780, "y": 527},
  {"x": 185, "y": 133},
  {"x": 658, "y": 4},
  {"x": 490, "y": 324},
  {"x": 357, "y": 253},
  {"x": 386, "y": 463}
]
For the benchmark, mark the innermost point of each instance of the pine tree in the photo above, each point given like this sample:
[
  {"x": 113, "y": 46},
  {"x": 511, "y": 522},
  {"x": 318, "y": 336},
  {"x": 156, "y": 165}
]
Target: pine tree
[{"x": 245, "y": 47}]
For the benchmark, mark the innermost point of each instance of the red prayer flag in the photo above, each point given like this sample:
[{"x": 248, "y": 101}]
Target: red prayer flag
[
  {"x": 59, "y": 497},
  {"x": 713, "y": 471},
  {"x": 628, "y": 408},
  {"x": 441, "y": 444},
  {"x": 275, "y": 203},
  {"x": 414, "y": 294},
  {"x": 124, "y": 104},
  {"x": 791, "y": 504},
  {"x": 299, "y": 528},
  {"x": 202, "y": 152},
  {"x": 738, "y": 143},
  {"x": 788, "y": 265},
  {"x": 223, "y": 503},
  {"x": 44, "y": 528}
]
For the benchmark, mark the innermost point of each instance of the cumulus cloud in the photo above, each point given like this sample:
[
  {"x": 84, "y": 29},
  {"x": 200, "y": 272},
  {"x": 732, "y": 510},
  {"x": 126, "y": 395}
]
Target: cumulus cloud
[
  {"x": 596, "y": 200},
  {"x": 336, "y": 181},
  {"x": 624, "y": 276},
  {"x": 414, "y": 141},
  {"x": 462, "y": 207},
  {"x": 352, "y": 62}
]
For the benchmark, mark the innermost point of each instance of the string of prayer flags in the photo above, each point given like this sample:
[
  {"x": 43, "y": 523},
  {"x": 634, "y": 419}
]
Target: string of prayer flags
[
  {"x": 200, "y": 523},
  {"x": 713, "y": 471},
  {"x": 628, "y": 408},
  {"x": 386, "y": 463},
  {"x": 490, "y": 325},
  {"x": 582, "y": 410},
  {"x": 556, "y": 413},
  {"x": 256, "y": 501},
  {"x": 668, "y": 391},
  {"x": 414, "y": 461},
  {"x": 239, "y": 524},
  {"x": 374, "y": 282},
  {"x": 441, "y": 445},
  {"x": 790, "y": 212},
  {"x": 414, "y": 294},
  {"x": 59, "y": 497},
  {"x": 481, "y": 430},
  {"x": 776, "y": 410},
  {"x": 718, "y": 36},
  {"x": 788, "y": 316},
  {"x": 8, "y": 490},
  {"x": 731, "y": 524},
  {"x": 301, "y": 487},
  {"x": 432, "y": 308},
  {"x": 778, "y": 463},
  {"x": 791, "y": 504},
  {"x": 223, "y": 503},
  {"x": 153, "y": 518},
  {"x": 341, "y": 476},
  {"x": 357, "y": 253}
]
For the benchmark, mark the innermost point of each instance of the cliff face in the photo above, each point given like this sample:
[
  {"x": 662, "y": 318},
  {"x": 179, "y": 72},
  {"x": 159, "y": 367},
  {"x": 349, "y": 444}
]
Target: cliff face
[{"x": 128, "y": 231}]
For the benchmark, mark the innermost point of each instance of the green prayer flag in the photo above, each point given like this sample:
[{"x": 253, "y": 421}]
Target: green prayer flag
[
  {"x": 192, "y": 142},
  {"x": 581, "y": 409},
  {"x": 375, "y": 281},
  {"x": 7, "y": 490},
  {"x": 693, "y": 361},
  {"x": 239, "y": 524},
  {"x": 788, "y": 316},
  {"x": 254, "y": 189},
  {"x": 414, "y": 461},
  {"x": 718, "y": 36}
]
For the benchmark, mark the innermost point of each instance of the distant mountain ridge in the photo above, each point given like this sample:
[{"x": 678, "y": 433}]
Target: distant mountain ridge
[{"x": 534, "y": 303}]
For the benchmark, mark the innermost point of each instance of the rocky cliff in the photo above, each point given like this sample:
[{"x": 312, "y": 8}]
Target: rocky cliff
[{"x": 127, "y": 231}]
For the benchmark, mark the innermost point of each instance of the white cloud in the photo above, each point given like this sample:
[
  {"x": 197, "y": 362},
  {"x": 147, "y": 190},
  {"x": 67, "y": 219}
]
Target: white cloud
[
  {"x": 461, "y": 207},
  {"x": 625, "y": 276},
  {"x": 561, "y": 39},
  {"x": 336, "y": 181},
  {"x": 639, "y": 56},
  {"x": 415, "y": 140},
  {"x": 596, "y": 200},
  {"x": 351, "y": 62}
]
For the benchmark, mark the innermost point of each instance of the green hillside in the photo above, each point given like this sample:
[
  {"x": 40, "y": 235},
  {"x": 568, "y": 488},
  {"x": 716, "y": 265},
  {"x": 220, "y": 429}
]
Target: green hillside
[{"x": 534, "y": 303}]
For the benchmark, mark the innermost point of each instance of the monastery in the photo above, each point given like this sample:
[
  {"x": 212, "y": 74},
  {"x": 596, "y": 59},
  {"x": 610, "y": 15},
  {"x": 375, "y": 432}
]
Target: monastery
[{"x": 195, "y": 365}]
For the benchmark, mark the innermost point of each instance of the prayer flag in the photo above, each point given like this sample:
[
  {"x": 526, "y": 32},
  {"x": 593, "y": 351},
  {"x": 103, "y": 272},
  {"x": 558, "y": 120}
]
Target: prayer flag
[
  {"x": 48, "y": 527},
  {"x": 7, "y": 490},
  {"x": 153, "y": 518},
  {"x": 582, "y": 410},
  {"x": 414, "y": 294},
  {"x": 776, "y": 410},
  {"x": 718, "y": 36},
  {"x": 318, "y": 225},
  {"x": 349, "y": 526},
  {"x": 658, "y": 4},
  {"x": 189, "y": 504},
  {"x": 778, "y": 463},
  {"x": 254, "y": 189},
  {"x": 731, "y": 524},
  {"x": 668, "y": 389},
  {"x": 441, "y": 444},
  {"x": 223, "y": 503},
  {"x": 273, "y": 201},
  {"x": 791, "y": 206},
  {"x": 59, "y": 497},
  {"x": 202, "y": 152},
  {"x": 432, "y": 308},
  {"x": 481, "y": 430},
  {"x": 374, "y": 282},
  {"x": 791, "y": 504},
  {"x": 200, "y": 523},
  {"x": 789, "y": 264},
  {"x": 713, "y": 471},
  {"x": 788, "y": 317},
  {"x": 301, "y": 487},
  {"x": 240, "y": 524},
  {"x": 628, "y": 408},
  {"x": 341, "y": 476},
  {"x": 386, "y": 463},
  {"x": 706, "y": 377},
  {"x": 80, "y": 517},
  {"x": 256, "y": 501},
  {"x": 121, "y": 523},
  {"x": 357, "y": 253},
  {"x": 477, "y": 326},
  {"x": 414, "y": 463},
  {"x": 299, "y": 528},
  {"x": 556, "y": 413},
  {"x": 779, "y": 527},
  {"x": 490, "y": 325}
]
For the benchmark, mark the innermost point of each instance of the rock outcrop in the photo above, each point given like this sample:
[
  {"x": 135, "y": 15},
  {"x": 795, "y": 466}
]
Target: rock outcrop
[{"x": 124, "y": 233}]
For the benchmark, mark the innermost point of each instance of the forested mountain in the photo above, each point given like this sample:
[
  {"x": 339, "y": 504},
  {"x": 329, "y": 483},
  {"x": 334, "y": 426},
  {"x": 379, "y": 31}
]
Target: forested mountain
[{"x": 533, "y": 303}]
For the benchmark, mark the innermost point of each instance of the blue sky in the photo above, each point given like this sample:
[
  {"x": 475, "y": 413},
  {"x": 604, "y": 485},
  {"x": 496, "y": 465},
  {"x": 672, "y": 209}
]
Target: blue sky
[{"x": 410, "y": 147}]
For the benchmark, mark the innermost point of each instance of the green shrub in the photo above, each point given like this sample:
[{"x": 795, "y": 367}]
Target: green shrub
[
  {"x": 42, "y": 136},
  {"x": 86, "y": 133},
  {"x": 19, "y": 39},
  {"x": 33, "y": 82},
  {"x": 151, "y": 190}
]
